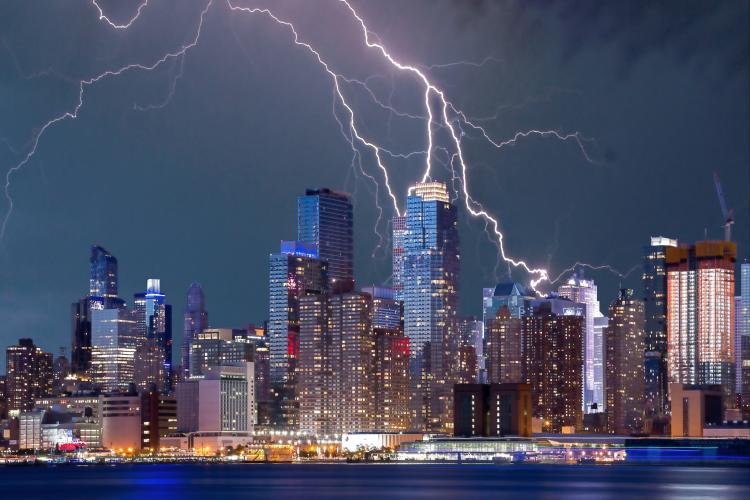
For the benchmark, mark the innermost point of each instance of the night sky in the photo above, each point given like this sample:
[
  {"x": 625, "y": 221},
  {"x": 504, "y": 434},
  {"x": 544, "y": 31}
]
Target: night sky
[{"x": 204, "y": 187}]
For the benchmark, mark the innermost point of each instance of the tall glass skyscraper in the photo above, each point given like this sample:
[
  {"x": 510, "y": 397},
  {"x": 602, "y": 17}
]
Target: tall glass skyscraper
[
  {"x": 654, "y": 295},
  {"x": 154, "y": 333},
  {"x": 103, "y": 274},
  {"x": 102, "y": 295},
  {"x": 196, "y": 320},
  {"x": 584, "y": 291},
  {"x": 325, "y": 218},
  {"x": 430, "y": 292}
]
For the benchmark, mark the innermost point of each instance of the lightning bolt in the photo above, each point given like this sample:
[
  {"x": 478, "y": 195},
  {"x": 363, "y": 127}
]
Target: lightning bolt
[
  {"x": 73, "y": 113},
  {"x": 128, "y": 24},
  {"x": 439, "y": 114}
]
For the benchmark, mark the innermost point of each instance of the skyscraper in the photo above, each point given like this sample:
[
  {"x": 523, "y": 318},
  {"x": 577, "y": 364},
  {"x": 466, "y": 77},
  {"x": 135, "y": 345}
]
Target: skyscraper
[
  {"x": 700, "y": 314},
  {"x": 28, "y": 372},
  {"x": 553, "y": 332},
  {"x": 516, "y": 298},
  {"x": 102, "y": 295},
  {"x": 153, "y": 316},
  {"x": 114, "y": 340},
  {"x": 742, "y": 331},
  {"x": 293, "y": 272},
  {"x": 504, "y": 348},
  {"x": 103, "y": 274},
  {"x": 583, "y": 291},
  {"x": 196, "y": 320},
  {"x": 624, "y": 362},
  {"x": 325, "y": 219},
  {"x": 430, "y": 291},
  {"x": 654, "y": 294}
]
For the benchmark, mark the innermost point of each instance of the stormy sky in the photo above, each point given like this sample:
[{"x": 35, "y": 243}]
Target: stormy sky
[{"x": 190, "y": 172}]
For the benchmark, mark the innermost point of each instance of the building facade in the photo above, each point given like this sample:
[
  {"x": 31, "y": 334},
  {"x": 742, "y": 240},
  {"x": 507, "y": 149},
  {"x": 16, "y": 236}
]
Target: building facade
[
  {"x": 624, "y": 361},
  {"x": 28, "y": 376},
  {"x": 504, "y": 348},
  {"x": 700, "y": 314},
  {"x": 195, "y": 321},
  {"x": 584, "y": 291},
  {"x": 325, "y": 220},
  {"x": 654, "y": 294},
  {"x": 430, "y": 270},
  {"x": 114, "y": 343}
]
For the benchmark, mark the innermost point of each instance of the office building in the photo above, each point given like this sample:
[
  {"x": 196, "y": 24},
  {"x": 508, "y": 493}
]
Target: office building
[
  {"x": 624, "y": 342},
  {"x": 654, "y": 294},
  {"x": 430, "y": 295},
  {"x": 219, "y": 346},
  {"x": 325, "y": 220},
  {"x": 221, "y": 402},
  {"x": 158, "y": 418},
  {"x": 28, "y": 372},
  {"x": 195, "y": 321},
  {"x": 492, "y": 410},
  {"x": 114, "y": 342},
  {"x": 700, "y": 314},
  {"x": 102, "y": 295},
  {"x": 153, "y": 316},
  {"x": 584, "y": 291}
]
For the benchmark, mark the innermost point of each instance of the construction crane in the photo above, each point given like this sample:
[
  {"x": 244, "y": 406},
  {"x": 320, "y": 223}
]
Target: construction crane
[{"x": 727, "y": 213}]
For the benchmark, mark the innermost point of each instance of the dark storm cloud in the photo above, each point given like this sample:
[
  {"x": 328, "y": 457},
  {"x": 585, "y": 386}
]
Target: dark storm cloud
[
  {"x": 204, "y": 188},
  {"x": 706, "y": 33}
]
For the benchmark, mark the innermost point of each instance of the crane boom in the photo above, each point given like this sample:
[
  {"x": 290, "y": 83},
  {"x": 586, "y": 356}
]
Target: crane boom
[{"x": 726, "y": 212}]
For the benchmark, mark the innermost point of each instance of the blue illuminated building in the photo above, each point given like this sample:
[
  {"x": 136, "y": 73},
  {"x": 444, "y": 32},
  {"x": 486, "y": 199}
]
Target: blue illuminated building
[
  {"x": 430, "y": 291},
  {"x": 195, "y": 321},
  {"x": 153, "y": 318},
  {"x": 325, "y": 220}
]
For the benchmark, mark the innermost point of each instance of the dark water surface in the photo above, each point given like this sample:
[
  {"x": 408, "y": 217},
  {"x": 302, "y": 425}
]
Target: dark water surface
[{"x": 384, "y": 481}]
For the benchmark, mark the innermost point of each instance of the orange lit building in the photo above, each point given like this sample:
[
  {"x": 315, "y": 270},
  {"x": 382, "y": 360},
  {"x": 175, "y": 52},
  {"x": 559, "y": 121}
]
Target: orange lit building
[{"x": 700, "y": 314}]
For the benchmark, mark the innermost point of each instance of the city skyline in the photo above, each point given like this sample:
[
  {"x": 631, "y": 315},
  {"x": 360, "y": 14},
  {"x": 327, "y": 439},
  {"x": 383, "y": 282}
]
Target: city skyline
[{"x": 552, "y": 231}]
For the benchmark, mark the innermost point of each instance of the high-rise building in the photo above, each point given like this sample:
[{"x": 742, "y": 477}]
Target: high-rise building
[
  {"x": 515, "y": 297},
  {"x": 624, "y": 343},
  {"x": 391, "y": 361},
  {"x": 504, "y": 348},
  {"x": 553, "y": 333},
  {"x": 583, "y": 291},
  {"x": 28, "y": 372},
  {"x": 103, "y": 274},
  {"x": 398, "y": 226},
  {"x": 60, "y": 370},
  {"x": 293, "y": 272},
  {"x": 219, "y": 346},
  {"x": 325, "y": 220},
  {"x": 654, "y": 294},
  {"x": 114, "y": 340},
  {"x": 153, "y": 316},
  {"x": 700, "y": 314},
  {"x": 196, "y": 320},
  {"x": 222, "y": 401},
  {"x": 102, "y": 295},
  {"x": 430, "y": 293},
  {"x": 742, "y": 343},
  {"x": 469, "y": 349}
]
